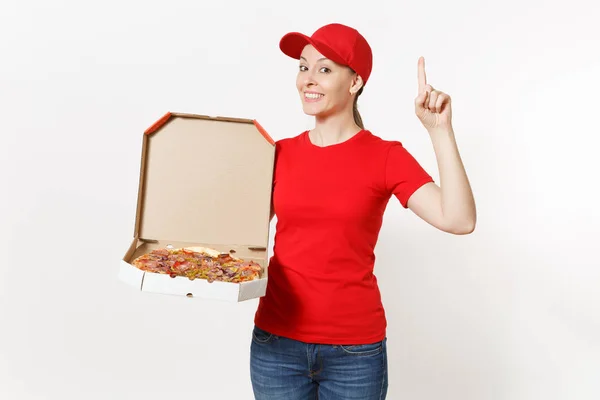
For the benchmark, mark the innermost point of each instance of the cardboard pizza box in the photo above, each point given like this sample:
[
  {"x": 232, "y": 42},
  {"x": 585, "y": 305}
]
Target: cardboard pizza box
[{"x": 204, "y": 181}]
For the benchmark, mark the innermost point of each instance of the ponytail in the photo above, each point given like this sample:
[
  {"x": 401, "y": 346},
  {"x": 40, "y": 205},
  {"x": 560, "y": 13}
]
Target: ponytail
[{"x": 357, "y": 118}]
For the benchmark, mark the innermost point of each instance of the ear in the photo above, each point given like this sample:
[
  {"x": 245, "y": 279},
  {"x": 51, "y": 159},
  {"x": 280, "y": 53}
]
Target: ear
[{"x": 356, "y": 84}]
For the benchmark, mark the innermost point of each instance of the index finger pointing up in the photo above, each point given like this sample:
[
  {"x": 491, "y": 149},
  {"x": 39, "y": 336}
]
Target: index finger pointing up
[{"x": 421, "y": 74}]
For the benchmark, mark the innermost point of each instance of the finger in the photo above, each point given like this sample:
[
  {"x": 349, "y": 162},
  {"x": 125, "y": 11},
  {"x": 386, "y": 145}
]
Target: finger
[
  {"x": 427, "y": 90},
  {"x": 441, "y": 100},
  {"x": 433, "y": 99},
  {"x": 422, "y": 77},
  {"x": 420, "y": 101}
]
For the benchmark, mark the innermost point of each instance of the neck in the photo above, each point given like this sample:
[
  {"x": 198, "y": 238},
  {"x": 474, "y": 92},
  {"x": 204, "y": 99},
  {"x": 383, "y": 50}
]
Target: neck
[{"x": 334, "y": 129}]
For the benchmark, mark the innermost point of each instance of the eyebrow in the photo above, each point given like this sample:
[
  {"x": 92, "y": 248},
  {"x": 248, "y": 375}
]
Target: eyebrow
[{"x": 320, "y": 59}]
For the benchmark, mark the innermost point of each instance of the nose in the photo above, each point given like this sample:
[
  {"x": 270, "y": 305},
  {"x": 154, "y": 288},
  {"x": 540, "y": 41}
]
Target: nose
[{"x": 309, "y": 79}]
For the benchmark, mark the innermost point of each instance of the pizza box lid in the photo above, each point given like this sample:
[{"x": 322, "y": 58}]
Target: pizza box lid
[{"x": 205, "y": 179}]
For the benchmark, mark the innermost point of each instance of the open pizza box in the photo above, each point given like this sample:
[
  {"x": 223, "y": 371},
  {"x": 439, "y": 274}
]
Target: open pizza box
[{"x": 204, "y": 181}]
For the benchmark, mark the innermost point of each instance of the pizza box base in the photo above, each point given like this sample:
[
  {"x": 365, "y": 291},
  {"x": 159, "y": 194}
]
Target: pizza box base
[{"x": 197, "y": 288}]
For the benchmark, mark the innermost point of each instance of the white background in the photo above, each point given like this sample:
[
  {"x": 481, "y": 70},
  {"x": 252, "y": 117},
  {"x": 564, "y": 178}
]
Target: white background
[{"x": 510, "y": 312}]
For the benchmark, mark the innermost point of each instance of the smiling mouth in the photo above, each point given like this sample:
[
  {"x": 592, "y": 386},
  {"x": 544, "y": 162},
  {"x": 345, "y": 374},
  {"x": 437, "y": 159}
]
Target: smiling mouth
[{"x": 313, "y": 96}]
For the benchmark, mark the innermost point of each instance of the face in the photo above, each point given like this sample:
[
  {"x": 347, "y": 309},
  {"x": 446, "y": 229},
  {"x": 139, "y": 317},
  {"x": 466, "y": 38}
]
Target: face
[{"x": 324, "y": 85}]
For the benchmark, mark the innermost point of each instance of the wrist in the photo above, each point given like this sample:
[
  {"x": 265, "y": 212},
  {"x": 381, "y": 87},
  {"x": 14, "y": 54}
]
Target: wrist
[
  {"x": 447, "y": 130},
  {"x": 442, "y": 139}
]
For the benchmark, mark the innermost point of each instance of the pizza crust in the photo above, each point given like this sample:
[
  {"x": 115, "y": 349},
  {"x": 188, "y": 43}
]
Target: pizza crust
[{"x": 209, "y": 251}]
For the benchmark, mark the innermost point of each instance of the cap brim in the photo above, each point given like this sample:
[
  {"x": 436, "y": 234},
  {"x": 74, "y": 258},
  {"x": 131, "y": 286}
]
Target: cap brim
[{"x": 293, "y": 43}]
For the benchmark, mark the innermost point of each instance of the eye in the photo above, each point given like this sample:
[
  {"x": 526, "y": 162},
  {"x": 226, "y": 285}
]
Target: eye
[
  {"x": 325, "y": 70},
  {"x": 303, "y": 68}
]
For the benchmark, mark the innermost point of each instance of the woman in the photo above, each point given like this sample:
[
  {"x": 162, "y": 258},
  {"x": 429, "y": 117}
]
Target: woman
[{"x": 320, "y": 330}]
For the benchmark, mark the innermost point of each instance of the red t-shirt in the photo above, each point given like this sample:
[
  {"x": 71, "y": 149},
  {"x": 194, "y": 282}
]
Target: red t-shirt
[{"x": 329, "y": 203}]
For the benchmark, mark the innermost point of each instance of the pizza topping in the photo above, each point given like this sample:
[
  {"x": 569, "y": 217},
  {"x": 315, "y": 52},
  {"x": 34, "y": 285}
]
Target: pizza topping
[
  {"x": 199, "y": 263},
  {"x": 160, "y": 252}
]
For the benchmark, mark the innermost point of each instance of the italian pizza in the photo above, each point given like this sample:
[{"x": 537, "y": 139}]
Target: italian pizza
[{"x": 198, "y": 263}]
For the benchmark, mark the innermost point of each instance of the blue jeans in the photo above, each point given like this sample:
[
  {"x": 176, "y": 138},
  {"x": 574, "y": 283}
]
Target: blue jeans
[{"x": 286, "y": 369}]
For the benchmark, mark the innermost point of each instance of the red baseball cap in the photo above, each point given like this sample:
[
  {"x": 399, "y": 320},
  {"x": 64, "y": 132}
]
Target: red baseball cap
[{"x": 339, "y": 43}]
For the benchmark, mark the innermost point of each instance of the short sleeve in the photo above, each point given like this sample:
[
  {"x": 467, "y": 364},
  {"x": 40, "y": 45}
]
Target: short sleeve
[{"x": 403, "y": 173}]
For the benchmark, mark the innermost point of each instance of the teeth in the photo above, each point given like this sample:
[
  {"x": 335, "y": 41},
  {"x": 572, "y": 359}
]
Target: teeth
[{"x": 313, "y": 95}]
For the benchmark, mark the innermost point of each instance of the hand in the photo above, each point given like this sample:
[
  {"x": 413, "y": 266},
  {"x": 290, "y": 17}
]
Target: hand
[{"x": 433, "y": 108}]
